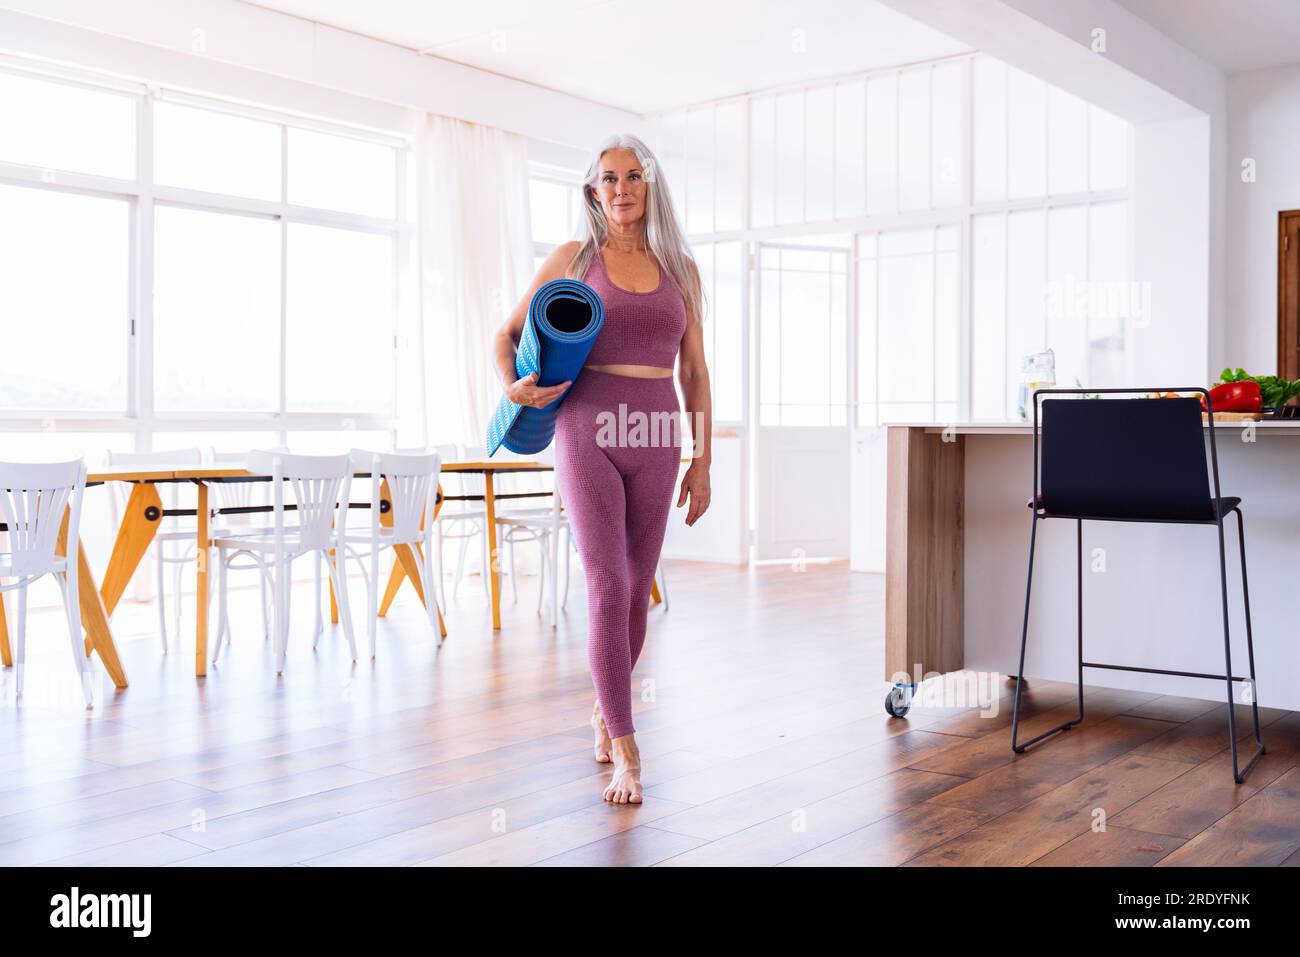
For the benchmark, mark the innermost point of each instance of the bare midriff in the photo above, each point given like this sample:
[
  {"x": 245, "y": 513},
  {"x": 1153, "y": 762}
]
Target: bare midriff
[{"x": 639, "y": 372}]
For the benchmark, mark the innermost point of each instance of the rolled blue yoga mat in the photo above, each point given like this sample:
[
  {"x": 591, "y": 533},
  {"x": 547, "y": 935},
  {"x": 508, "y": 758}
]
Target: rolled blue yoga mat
[{"x": 563, "y": 319}]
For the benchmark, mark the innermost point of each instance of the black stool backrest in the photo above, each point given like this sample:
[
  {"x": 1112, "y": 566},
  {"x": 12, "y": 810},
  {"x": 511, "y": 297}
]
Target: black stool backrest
[{"x": 1125, "y": 458}]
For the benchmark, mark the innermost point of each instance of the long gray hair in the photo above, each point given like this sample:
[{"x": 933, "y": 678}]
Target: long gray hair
[{"x": 663, "y": 232}]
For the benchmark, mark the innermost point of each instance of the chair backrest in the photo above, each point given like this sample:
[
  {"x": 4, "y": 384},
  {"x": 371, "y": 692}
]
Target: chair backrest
[
  {"x": 237, "y": 494},
  {"x": 320, "y": 484},
  {"x": 412, "y": 486},
  {"x": 33, "y": 498},
  {"x": 1134, "y": 458}
]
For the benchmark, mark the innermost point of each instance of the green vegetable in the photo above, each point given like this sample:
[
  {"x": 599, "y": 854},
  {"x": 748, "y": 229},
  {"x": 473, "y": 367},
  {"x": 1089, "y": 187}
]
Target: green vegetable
[{"x": 1276, "y": 391}]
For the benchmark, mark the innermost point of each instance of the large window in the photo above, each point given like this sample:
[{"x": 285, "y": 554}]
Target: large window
[
  {"x": 722, "y": 278},
  {"x": 216, "y": 283},
  {"x": 176, "y": 265},
  {"x": 989, "y": 211},
  {"x": 909, "y": 315},
  {"x": 803, "y": 320},
  {"x": 554, "y": 206},
  {"x": 64, "y": 301}
]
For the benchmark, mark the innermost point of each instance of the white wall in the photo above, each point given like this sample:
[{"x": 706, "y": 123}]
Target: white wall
[
  {"x": 1263, "y": 125},
  {"x": 1170, "y": 221}
]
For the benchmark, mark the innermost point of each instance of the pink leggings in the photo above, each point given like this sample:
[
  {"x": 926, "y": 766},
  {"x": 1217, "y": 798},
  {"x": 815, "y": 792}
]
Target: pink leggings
[{"x": 618, "y": 447}]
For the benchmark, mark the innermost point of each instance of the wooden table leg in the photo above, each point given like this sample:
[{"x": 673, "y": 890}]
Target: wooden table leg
[
  {"x": 334, "y": 600},
  {"x": 94, "y": 616},
  {"x": 202, "y": 547},
  {"x": 395, "y": 579},
  {"x": 489, "y": 500},
  {"x": 407, "y": 559},
  {"x": 654, "y": 592},
  {"x": 406, "y": 565},
  {"x": 140, "y": 521},
  {"x": 398, "y": 573},
  {"x": 6, "y": 656}
]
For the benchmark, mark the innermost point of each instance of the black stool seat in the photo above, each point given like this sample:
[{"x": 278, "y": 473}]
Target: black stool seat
[{"x": 1222, "y": 507}]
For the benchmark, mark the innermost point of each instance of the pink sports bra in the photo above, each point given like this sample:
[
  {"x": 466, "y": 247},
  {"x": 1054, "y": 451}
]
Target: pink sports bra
[{"x": 641, "y": 328}]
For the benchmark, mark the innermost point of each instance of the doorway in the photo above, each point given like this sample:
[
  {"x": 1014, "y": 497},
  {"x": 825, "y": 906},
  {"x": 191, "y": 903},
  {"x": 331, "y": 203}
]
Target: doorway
[{"x": 801, "y": 448}]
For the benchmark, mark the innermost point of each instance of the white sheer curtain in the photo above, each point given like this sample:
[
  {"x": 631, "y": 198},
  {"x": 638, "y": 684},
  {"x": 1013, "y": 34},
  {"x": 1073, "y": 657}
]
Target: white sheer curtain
[{"x": 477, "y": 260}]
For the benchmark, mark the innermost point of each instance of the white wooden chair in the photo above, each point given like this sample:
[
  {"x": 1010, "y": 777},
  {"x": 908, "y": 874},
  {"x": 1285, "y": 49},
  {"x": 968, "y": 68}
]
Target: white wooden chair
[
  {"x": 542, "y": 524},
  {"x": 234, "y": 495},
  {"x": 182, "y": 531},
  {"x": 413, "y": 493},
  {"x": 33, "y": 499},
  {"x": 320, "y": 485}
]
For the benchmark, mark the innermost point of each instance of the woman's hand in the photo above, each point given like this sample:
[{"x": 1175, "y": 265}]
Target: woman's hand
[
  {"x": 695, "y": 483},
  {"x": 526, "y": 391}
]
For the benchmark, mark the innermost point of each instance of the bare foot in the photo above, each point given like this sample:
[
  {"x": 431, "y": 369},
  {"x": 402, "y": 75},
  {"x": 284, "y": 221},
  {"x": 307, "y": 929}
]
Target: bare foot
[
  {"x": 625, "y": 785},
  {"x": 602, "y": 745}
]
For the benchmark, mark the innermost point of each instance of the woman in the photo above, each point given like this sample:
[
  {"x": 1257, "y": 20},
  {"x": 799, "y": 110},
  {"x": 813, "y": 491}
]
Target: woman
[{"x": 617, "y": 491}]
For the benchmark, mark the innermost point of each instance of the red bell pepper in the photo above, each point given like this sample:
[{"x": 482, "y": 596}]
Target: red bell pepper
[{"x": 1243, "y": 396}]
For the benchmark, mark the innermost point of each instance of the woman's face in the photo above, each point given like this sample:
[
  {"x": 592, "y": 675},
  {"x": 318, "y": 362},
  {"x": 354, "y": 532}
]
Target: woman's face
[{"x": 621, "y": 187}]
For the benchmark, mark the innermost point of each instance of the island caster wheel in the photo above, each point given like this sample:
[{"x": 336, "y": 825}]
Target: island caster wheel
[{"x": 899, "y": 700}]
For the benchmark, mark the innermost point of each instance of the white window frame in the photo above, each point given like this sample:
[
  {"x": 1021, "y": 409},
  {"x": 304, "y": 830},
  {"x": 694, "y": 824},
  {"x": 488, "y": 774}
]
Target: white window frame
[
  {"x": 142, "y": 195},
  {"x": 570, "y": 179},
  {"x": 960, "y": 214}
]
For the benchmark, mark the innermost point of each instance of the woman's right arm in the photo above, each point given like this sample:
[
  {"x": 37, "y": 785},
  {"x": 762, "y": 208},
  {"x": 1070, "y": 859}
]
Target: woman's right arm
[{"x": 524, "y": 391}]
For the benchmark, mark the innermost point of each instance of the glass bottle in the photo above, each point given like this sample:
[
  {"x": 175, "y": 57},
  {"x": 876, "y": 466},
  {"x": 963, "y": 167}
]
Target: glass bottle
[{"x": 1037, "y": 371}]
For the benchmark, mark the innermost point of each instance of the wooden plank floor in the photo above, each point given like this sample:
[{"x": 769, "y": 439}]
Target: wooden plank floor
[{"x": 758, "y": 709}]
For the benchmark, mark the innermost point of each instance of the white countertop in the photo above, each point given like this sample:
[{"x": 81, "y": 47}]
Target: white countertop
[{"x": 1017, "y": 427}]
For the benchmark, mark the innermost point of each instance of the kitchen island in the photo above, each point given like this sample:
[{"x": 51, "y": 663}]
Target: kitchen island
[{"x": 957, "y": 548}]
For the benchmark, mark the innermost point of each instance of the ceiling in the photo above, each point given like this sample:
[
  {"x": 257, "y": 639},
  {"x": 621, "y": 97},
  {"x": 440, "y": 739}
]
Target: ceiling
[
  {"x": 1236, "y": 35},
  {"x": 643, "y": 57}
]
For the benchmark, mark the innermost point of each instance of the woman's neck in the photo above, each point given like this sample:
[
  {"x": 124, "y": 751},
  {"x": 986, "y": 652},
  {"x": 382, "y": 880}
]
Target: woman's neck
[{"x": 626, "y": 239}]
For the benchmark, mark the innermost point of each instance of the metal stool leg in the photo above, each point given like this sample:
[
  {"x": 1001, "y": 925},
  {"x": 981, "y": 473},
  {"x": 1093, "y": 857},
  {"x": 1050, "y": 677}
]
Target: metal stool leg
[
  {"x": 1239, "y": 775},
  {"x": 1024, "y": 634}
]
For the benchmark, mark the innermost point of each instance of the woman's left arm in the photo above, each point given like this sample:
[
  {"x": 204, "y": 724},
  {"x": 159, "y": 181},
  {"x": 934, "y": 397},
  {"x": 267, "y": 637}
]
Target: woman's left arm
[{"x": 693, "y": 374}]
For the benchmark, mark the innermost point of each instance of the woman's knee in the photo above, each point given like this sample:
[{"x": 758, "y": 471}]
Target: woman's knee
[{"x": 611, "y": 592}]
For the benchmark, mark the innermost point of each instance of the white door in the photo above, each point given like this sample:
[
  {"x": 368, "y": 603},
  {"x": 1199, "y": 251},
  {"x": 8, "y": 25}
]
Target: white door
[{"x": 801, "y": 469}]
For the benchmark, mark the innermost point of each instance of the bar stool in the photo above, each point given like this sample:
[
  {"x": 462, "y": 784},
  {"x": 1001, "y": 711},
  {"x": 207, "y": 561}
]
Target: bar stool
[{"x": 1131, "y": 460}]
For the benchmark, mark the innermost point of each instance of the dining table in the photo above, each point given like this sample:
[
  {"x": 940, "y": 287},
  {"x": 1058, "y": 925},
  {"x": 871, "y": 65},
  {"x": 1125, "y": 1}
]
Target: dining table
[{"x": 145, "y": 512}]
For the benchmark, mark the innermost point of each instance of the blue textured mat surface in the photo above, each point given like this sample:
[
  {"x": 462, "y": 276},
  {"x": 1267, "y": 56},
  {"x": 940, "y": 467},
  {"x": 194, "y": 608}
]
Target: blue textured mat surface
[{"x": 563, "y": 320}]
